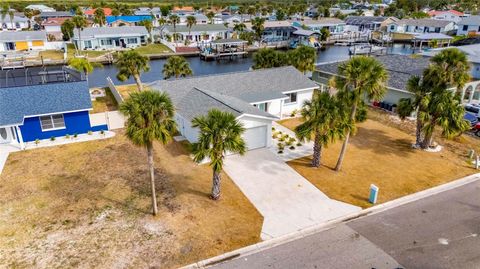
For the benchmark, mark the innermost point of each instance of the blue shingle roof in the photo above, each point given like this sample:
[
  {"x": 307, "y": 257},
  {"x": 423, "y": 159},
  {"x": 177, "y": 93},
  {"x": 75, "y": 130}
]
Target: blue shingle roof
[
  {"x": 132, "y": 18},
  {"x": 19, "y": 102}
]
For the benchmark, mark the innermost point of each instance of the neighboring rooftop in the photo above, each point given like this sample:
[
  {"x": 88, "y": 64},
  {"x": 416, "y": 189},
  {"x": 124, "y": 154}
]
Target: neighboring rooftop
[
  {"x": 95, "y": 32},
  {"x": 197, "y": 28},
  {"x": 321, "y": 21},
  {"x": 432, "y": 13},
  {"x": 6, "y": 19},
  {"x": 91, "y": 12},
  {"x": 358, "y": 20},
  {"x": 130, "y": 19},
  {"x": 472, "y": 52},
  {"x": 233, "y": 92},
  {"x": 423, "y": 22},
  {"x": 19, "y": 102},
  {"x": 6, "y": 36},
  {"x": 400, "y": 68},
  {"x": 57, "y": 14},
  {"x": 472, "y": 20}
]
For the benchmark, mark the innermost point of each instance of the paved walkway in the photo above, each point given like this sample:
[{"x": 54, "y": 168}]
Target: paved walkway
[
  {"x": 287, "y": 201},
  {"x": 288, "y": 154},
  {"x": 5, "y": 150}
]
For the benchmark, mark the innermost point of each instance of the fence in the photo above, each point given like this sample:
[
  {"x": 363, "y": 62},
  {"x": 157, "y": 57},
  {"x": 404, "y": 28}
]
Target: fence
[{"x": 116, "y": 94}]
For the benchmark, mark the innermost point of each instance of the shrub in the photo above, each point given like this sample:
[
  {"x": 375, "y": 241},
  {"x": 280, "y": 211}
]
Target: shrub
[
  {"x": 37, "y": 141},
  {"x": 52, "y": 138},
  {"x": 102, "y": 132},
  {"x": 294, "y": 113},
  {"x": 292, "y": 140},
  {"x": 89, "y": 133},
  {"x": 299, "y": 144},
  {"x": 292, "y": 147},
  {"x": 281, "y": 139},
  {"x": 273, "y": 128},
  {"x": 280, "y": 151},
  {"x": 75, "y": 135},
  {"x": 288, "y": 143},
  {"x": 67, "y": 136}
]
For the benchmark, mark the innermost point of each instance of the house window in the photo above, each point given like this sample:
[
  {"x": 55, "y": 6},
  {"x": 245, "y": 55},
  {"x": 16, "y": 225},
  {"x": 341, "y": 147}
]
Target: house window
[
  {"x": 106, "y": 42},
  {"x": 292, "y": 98},
  {"x": 465, "y": 28},
  {"x": 52, "y": 122},
  {"x": 279, "y": 32},
  {"x": 88, "y": 44},
  {"x": 132, "y": 41}
]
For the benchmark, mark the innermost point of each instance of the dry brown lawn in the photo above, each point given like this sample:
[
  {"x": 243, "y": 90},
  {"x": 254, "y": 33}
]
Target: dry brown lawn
[
  {"x": 103, "y": 104},
  {"x": 88, "y": 205},
  {"x": 125, "y": 90},
  {"x": 382, "y": 155}
]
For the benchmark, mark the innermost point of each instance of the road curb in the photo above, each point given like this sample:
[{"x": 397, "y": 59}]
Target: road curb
[{"x": 326, "y": 225}]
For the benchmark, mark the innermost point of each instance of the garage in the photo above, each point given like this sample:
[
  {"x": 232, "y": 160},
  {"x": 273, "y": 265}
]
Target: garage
[{"x": 256, "y": 137}]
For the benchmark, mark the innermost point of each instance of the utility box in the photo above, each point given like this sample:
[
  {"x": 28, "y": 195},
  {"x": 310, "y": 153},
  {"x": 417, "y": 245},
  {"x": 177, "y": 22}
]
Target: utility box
[{"x": 373, "y": 194}]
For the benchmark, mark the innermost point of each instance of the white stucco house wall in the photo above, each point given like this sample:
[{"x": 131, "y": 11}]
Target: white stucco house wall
[
  {"x": 469, "y": 25},
  {"x": 23, "y": 40},
  {"x": 446, "y": 15},
  {"x": 198, "y": 34},
  {"x": 418, "y": 26},
  {"x": 111, "y": 38},
  {"x": 17, "y": 24},
  {"x": 256, "y": 98}
]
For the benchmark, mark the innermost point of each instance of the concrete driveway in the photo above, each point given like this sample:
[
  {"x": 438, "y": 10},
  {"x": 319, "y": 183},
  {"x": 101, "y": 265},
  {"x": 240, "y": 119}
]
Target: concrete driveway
[{"x": 287, "y": 201}]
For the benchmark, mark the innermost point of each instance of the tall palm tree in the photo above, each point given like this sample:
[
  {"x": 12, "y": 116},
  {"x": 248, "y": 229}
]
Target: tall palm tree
[
  {"x": 239, "y": 27},
  {"x": 176, "y": 66},
  {"x": 191, "y": 21},
  {"x": 131, "y": 63},
  {"x": 220, "y": 132},
  {"x": 359, "y": 78},
  {"x": 452, "y": 66},
  {"x": 258, "y": 27},
  {"x": 99, "y": 17},
  {"x": 325, "y": 119},
  {"x": 174, "y": 20},
  {"x": 303, "y": 58},
  {"x": 4, "y": 11},
  {"x": 80, "y": 22},
  {"x": 421, "y": 93},
  {"x": 83, "y": 65},
  {"x": 161, "y": 22},
  {"x": 11, "y": 16},
  {"x": 149, "y": 26},
  {"x": 149, "y": 118},
  {"x": 210, "y": 16}
]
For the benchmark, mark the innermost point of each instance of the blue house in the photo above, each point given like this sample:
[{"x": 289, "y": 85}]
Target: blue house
[
  {"x": 132, "y": 20},
  {"x": 44, "y": 108}
]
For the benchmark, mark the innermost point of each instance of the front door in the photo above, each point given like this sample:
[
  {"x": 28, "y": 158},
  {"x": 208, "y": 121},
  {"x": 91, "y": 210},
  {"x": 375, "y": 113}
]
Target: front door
[{"x": 5, "y": 135}]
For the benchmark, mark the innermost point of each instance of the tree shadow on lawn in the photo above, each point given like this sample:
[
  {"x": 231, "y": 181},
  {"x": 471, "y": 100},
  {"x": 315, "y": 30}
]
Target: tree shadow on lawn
[{"x": 381, "y": 143}]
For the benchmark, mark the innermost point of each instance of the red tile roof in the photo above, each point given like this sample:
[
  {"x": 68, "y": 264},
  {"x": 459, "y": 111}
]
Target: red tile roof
[
  {"x": 438, "y": 12},
  {"x": 106, "y": 10}
]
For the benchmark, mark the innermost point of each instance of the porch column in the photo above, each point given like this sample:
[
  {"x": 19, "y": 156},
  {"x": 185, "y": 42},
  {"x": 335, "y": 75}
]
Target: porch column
[
  {"x": 20, "y": 137},
  {"x": 281, "y": 109},
  {"x": 470, "y": 97}
]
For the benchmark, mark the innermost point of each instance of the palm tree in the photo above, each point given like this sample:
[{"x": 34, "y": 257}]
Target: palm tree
[
  {"x": 174, "y": 20},
  {"x": 161, "y": 22},
  {"x": 220, "y": 132},
  {"x": 303, "y": 58},
  {"x": 99, "y": 17},
  {"x": 149, "y": 118},
  {"x": 176, "y": 66},
  {"x": 4, "y": 11},
  {"x": 11, "y": 16},
  {"x": 83, "y": 65},
  {"x": 131, "y": 63},
  {"x": 149, "y": 26},
  {"x": 191, "y": 21},
  {"x": 257, "y": 27},
  {"x": 210, "y": 16},
  {"x": 325, "y": 119},
  {"x": 453, "y": 67},
  {"x": 406, "y": 106},
  {"x": 269, "y": 58},
  {"x": 239, "y": 27},
  {"x": 359, "y": 78},
  {"x": 80, "y": 22}
]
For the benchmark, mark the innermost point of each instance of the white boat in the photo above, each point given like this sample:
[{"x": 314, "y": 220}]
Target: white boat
[{"x": 364, "y": 49}]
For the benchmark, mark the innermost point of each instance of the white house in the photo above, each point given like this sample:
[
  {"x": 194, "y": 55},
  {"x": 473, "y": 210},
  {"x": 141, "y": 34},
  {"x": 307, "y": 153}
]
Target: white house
[
  {"x": 41, "y": 8},
  {"x": 416, "y": 26},
  {"x": 111, "y": 38},
  {"x": 200, "y": 18},
  {"x": 446, "y": 15},
  {"x": 334, "y": 25},
  {"x": 469, "y": 25},
  {"x": 23, "y": 40},
  {"x": 256, "y": 98},
  {"x": 16, "y": 24},
  {"x": 53, "y": 26},
  {"x": 200, "y": 33}
]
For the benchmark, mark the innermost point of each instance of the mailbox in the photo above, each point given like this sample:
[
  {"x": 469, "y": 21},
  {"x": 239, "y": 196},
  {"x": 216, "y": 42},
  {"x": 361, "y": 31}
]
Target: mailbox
[{"x": 373, "y": 194}]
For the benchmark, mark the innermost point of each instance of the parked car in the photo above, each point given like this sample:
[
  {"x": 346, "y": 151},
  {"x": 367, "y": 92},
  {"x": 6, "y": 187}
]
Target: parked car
[
  {"x": 473, "y": 109},
  {"x": 476, "y": 129},
  {"x": 471, "y": 118}
]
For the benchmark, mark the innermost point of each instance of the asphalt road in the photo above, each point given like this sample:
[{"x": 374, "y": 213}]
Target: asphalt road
[{"x": 440, "y": 231}]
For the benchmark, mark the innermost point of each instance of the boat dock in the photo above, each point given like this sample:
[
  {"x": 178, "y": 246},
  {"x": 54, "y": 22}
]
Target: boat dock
[{"x": 224, "y": 49}]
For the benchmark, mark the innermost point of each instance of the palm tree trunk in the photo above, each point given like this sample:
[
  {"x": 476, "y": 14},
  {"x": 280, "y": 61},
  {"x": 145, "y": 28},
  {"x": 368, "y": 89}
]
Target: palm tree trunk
[
  {"x": 138, "y": 82},
  {"x": 345, "y": 142},
  {"x": 428, "y": 138},
  {"x": 216, "y": 186},
  {"x": 418, "y": 133},
  {"x": 317, "y": 151},
  {"x": 79, "y": 42},
  {"x": 152, "y": 177}
]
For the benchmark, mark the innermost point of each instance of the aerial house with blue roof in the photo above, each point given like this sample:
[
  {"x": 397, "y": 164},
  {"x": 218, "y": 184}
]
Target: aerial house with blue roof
[{"x": 41, "y": 104}]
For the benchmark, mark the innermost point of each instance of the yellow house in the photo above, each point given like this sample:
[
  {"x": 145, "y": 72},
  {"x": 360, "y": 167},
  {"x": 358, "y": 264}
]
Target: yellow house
[{"x": 23, "y": 40}]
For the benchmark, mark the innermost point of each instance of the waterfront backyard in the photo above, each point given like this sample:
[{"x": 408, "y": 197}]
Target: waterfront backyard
[
  {"x": 88, "y": 205},
  {"x": 381, "y": 154}
]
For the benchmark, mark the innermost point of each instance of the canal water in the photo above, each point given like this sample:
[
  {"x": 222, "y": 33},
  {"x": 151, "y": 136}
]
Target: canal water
[{"x": 200, "y": 67}]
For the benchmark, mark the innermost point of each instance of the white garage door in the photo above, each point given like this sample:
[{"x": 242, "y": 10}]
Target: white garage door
[{"x": 256, "y": 137}]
